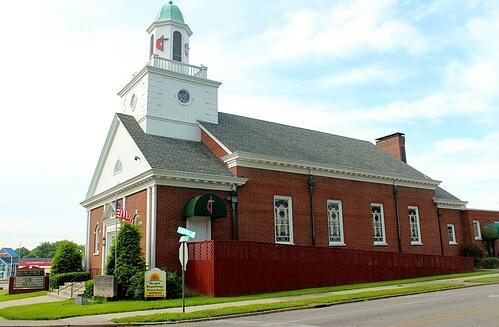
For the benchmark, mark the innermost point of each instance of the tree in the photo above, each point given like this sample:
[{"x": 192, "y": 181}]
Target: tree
[
  {"x": 130, "y": 260},
  {"x": 44, "y": 250},
  {"x": 67, "y": 258},
  {"x": 23, "y": 252}
]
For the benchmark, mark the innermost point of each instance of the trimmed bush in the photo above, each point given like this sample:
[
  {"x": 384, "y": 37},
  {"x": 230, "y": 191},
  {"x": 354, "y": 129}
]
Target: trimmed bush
[
  {"x": 89, "y": 289},
  {"x": 173, "y": 285},
  {"x": 137, "y": 286},
  {"x": 110, "y": 260},
  {"x": 130, "y": 260},
  {"x": 473, "y": 251},
  {"x": 57, "y": 280},
  {"x": 490, "y": 263},
  {"x": 67, "y": 258}
]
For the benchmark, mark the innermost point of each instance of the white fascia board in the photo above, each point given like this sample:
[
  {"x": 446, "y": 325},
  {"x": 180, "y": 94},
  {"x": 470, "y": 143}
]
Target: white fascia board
[
  {"x": 244, "y": 159},
  {"x": 450, "y": 204},
  {"x": 169, "y": 22},
  {"x": 217, "y": 141},
  {"x": 165, "y": 177},
  {"x": 104, "y": 153},
  {"x": 103, "y": 156}
]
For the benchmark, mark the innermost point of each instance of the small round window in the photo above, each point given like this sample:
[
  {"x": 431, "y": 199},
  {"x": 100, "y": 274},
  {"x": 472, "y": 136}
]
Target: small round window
[
  {"x": 133, "y": 102},
  {"x": 183, "y": 97}
]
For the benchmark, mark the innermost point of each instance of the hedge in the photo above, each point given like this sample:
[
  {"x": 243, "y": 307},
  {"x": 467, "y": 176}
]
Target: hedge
[{"x": 57, "y": 280}]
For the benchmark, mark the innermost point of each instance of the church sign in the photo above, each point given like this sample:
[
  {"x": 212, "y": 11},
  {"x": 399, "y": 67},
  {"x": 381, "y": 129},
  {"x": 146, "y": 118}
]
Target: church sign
[
  {"x": 30, "y": 278},
  {"x": 155, "y": 283}
]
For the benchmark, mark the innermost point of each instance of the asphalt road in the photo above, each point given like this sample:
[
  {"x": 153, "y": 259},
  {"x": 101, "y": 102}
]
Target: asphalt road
[{"x": 474, "y": 306}]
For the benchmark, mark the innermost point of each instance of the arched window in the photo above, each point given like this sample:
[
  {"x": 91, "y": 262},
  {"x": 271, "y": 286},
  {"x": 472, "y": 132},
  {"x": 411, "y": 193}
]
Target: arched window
[
  {"x": 96, "y": 240},
  {"x": 151, "y": 46},
  {"x": 177, "y": 46}
]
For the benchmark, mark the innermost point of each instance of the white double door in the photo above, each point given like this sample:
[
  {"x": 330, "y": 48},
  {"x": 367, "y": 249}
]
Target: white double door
[{"x": 202, "y": 227}]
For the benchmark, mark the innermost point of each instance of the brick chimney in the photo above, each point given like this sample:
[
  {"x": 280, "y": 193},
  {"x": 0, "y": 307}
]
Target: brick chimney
[{"x": 394, "y": 144}]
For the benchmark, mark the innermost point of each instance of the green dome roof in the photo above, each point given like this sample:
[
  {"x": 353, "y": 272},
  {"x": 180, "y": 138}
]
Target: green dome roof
[{"x": 170, "y": 12}]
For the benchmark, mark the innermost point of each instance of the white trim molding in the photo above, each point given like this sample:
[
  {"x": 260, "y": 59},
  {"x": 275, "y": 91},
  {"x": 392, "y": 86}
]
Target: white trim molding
[
  {"x": 217, "y": 141},
  {"x": 450, "y": 204},
  {"x": 246, "y": 159}
]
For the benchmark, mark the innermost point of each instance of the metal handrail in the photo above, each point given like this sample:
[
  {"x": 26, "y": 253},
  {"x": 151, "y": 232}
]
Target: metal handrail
[{"x": 70, "y": 285}]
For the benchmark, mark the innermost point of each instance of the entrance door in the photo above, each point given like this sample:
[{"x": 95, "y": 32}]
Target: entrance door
[{"x": 202, "y": 227}]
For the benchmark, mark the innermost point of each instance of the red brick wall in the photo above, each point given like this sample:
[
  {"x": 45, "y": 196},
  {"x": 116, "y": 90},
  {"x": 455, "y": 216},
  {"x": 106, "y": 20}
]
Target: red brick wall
[
  {"x": 256, "y": 216},
  {"x": 449, "y": 216},
  {"x": 484, "y": 217},
  {"x": 212, "y": 145},
  {"x": 137, "y": 204},
  {"x": 95, "y": 261},
  {"x": 171, "y": 202}
]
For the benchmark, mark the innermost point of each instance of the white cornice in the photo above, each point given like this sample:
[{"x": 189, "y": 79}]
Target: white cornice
[
  {"x": 168, "y": 73},
  {"x": 169, "y": 22},
  {"x": 450, "y": 204},
  {"x": 217, "y": 141},
  {"x": 245, "y": 159},
  {"x": 165, "y": 177}
]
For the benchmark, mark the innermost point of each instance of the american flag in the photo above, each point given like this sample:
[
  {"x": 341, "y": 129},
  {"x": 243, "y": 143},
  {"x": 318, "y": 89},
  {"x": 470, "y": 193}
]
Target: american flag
[{"x": 122, "y": 213}]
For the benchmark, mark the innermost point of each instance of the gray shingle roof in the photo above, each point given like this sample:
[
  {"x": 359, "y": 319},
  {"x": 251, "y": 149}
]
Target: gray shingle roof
[
  {"x": 174, "y": 154},
  {"x": 440, "y": 193},
  {"x": 272, "y": 139}
]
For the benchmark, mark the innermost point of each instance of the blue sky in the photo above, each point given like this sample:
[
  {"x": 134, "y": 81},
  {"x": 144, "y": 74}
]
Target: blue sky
[{"x": 363, "y": 69}]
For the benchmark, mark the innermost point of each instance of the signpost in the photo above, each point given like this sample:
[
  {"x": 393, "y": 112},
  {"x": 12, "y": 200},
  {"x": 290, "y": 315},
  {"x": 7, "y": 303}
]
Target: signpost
[{"x": 183, "y": 256}]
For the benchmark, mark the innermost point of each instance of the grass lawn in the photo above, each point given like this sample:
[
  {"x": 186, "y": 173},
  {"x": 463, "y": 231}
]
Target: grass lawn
[
  {"x": 66, "y": 309},
  {"x": 5, "y": 297},
  {"x": 282, "y": 305},
  {"x": 484, "y": 280}
]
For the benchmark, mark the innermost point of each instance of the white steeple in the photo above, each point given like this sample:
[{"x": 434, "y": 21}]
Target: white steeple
[
  {"x": 169, "y": 96},
  {"x": 169, "y": 34}
]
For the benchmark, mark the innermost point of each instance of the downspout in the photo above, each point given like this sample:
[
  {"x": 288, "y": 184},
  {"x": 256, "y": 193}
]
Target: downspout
[
  {"x": 311, "y": 184},
  {"x": 233, "y": 202},
  {"x": 439, "y": 214},
  {"x": 397, "y": 213}
]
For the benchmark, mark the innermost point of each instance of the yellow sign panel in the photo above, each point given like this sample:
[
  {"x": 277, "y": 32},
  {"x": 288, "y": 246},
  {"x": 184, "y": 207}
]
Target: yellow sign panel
[{"x": 155, "y": 283}]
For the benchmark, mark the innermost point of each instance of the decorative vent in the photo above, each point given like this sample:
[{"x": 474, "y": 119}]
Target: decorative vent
[{"x": 118, "y": 167}]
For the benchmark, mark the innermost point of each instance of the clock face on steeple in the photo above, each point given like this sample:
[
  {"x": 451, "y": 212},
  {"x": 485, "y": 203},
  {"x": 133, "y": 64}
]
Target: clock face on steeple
[{"x": 184, "y": 97}]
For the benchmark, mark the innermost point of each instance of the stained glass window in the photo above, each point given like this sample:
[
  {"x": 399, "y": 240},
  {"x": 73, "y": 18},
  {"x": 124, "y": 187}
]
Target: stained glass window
[
  {"x": 414, "y": 225},
  {"x": 335, "y": 222},
  {"x": 452, "y": 234},
  {"x": 476, "y": 230},
  {"x": 378, "y": 223},
  {"x": 283, "y": 220}
]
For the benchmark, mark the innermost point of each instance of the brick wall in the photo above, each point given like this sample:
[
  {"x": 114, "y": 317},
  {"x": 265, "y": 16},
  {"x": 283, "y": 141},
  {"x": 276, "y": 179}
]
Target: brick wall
[
  {"x": 171, "y": 202},
  {"x": 256, "y": 216},
  {"x": 95, "y": 261},
  {"x": 212, "y": 145},
  {"x": 137, "y": 204},
  {"x": 449, "y": 216},
  {"x": 484, "y": 217}
]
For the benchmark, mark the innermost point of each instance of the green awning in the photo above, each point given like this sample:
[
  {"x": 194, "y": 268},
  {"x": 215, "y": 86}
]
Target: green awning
[
  {"x": 490, "y": 231},
  {"x": 206, "y": 205}
]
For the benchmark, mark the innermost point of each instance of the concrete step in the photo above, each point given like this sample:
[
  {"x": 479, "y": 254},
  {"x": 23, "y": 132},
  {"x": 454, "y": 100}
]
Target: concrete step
[{"x": 67, "y": 292}]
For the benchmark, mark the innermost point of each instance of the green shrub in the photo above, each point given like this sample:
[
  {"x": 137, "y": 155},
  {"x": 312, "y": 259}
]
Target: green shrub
[
  {"x": 110, "y": 260},
  {"x": 137, "y": 286},
  {"x": 130, "y": 260},
  {"x": 473, "y": 251},
  {"x": 173, "y": 285},
  {"x": 490, "y": 263},
  {"x": 67, "y": 258},
  {"x": 89, "y": 289},
  {"x": 57, "y": 280}
]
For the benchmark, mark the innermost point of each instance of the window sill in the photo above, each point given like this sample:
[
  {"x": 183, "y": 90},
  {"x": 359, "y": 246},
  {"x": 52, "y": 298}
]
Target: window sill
[
  {"x": 96, "y": 253},
  {"x": 478, "y": 239},
  {"x": 337, "y": 244},
  {"x": 416, "y": 243},
  {"x": 452, "y": 243},
  {"x": 380, "y": 244},
  {"x": 285, "y": 243}
]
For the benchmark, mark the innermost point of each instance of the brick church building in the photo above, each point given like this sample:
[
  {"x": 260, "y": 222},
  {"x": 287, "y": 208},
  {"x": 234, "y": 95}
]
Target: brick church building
[{"x": 172, "y": 159}]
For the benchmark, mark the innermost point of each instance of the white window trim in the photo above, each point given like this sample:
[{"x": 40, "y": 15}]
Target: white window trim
[
  {"x": 479, "y": 237},
  {"x": 290, "y": 202},
  {"x": 419, "y": 242},
  {"x": 379, "y": 243},
  {"x": 340, "y": 217},
  {"x": 97, "y": 240},
  {"x": 453, "y": 233}
]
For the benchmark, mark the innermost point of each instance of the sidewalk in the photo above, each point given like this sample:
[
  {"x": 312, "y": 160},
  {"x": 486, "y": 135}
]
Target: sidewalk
[{"x": 106, "y": 319}]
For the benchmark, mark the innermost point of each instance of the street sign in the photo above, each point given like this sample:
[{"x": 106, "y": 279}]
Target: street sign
[
  {"x": 183, "y": 256},
  {"x": 184, "y": 238},
  {"x": 187, "y": 232}
]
